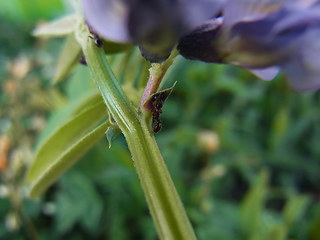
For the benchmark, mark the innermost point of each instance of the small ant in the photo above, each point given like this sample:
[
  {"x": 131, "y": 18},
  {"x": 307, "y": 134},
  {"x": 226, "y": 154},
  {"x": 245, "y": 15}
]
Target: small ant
[
  {"x": 96, "y": 38},
  {"x": 157, "y": 102},
  {"x": 82, "y": 59}
]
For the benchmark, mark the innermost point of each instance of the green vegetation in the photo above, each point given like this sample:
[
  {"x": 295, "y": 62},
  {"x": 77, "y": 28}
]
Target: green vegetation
[{"x": 244, "y": 154}]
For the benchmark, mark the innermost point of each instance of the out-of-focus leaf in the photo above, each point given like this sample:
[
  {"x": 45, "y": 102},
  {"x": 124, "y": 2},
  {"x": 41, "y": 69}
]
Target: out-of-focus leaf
[
  {"x": 31, "y": 10},
  {"x": 279, "y": 127},
  {"x": 212, "y": 225},
  {"x": 67, "y": 59},
  {"x": 79, "y": 83},
  {"x": 57, "y": 28},
  {"x": 78, "y": 202},
  {"x": 64, "y": 147},
  {"x": 278, "y": 233},
  {"x": 252, "y": 206},
  {"x": 294, "y": 208},
  {"x": 12, "y": 10},
  {"x": 314, "y": 232}
]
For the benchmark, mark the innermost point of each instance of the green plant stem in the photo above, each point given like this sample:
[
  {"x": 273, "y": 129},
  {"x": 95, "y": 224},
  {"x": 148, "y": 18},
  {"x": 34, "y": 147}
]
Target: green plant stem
[
  {"x": 157, "y": 72},
  {"x": 164, "y": 203}
]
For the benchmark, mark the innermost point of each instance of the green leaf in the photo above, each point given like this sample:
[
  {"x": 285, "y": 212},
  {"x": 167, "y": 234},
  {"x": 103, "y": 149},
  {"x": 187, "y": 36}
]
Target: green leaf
[
  {"x": 57, "y": 28},
  {"x": 68, "y": 59},
  {"x": 291, "y": 212},
  {"x": 252, "y": 206},
  {"x": 60, "y": 116},
  {"x": 293, "y": 208},
  {"x": 65, "y": 146},
  {"x": 279, "y": 232},
  {"x": 75, "y": 206},
  {"x": 73, "y": 88},
  {"x": 279, "y": 128},
  {"x": 32, "y": 10},
  {"x": 314, "y": 232}
]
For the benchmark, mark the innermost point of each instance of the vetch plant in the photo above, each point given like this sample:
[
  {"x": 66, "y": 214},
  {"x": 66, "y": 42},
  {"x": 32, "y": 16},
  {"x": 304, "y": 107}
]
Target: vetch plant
[{"x": 261, "y": 36}]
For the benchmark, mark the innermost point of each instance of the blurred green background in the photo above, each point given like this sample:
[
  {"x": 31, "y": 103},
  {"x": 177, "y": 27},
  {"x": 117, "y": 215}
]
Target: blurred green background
[{"x": 244, "y": 154}]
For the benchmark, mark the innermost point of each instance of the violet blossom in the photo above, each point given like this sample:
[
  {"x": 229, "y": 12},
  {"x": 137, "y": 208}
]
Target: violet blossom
[
  {"x": 155, "y": 25},
  {"x": 262, "y": 36}
]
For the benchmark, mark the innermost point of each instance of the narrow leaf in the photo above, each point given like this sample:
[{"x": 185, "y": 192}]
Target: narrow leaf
[
  {"x": 252, "y": 206},
  {"x": 68, "y": 58},
  {"x": 57, "y": 28},
  {"x": 66, "y": 160},
  {"x": 291, "y": 212},
  {"x": 64, "y": 137},
  {"x": 63, "y": 140},
  {"x": 293, "y": 208},
  {"x": 314, "y": 232},
  {"x": 61, "y": 116},
  {"x": 279, "y": 232}
]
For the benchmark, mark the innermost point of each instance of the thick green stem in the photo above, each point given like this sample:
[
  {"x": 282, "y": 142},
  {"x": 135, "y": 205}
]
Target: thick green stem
[{"x": 164, "y": 203}]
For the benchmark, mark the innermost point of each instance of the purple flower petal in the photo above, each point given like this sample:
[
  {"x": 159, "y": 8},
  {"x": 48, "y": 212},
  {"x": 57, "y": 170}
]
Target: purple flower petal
[
  {"x": 298, "y": 19},
  {"x": 248, "y": 10},
  {"x": 263, "y": 36},
  {"x": 198, "y": 45},
  {"x": 108, "y": 18},
  {"x": 303, "y": 69},
  {"x": 266, "y": 74},
  {"x": 155, "y": 25},
  {"x": 273, "y": 39}
]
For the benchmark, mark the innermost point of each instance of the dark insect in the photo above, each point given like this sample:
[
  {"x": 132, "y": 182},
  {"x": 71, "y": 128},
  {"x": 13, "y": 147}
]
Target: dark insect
[
  {"x": 97, "y": 40},
  {"x": 157, "y": 102},
  {"x": 82, "y": 59},
  {"x": 157, "y": 126}
]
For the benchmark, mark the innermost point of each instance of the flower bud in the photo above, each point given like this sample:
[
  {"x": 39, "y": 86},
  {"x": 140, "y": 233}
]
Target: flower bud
[{"x": 208, "y": 142}]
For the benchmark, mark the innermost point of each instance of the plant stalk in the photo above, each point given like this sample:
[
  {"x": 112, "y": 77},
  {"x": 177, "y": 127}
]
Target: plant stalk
[{"x": 163, "y": 200}]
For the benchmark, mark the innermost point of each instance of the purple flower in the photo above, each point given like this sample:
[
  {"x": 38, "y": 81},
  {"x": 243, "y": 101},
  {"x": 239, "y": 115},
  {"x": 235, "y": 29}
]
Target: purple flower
[
  {"x": 155, "y": 25},
  {"x": 263, "y": 36}
]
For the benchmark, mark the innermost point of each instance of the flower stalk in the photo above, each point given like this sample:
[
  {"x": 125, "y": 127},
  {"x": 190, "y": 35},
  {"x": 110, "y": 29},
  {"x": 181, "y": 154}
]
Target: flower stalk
[
  {"x": 157, "y": 72},
  {"x": 163, "y": 200}
]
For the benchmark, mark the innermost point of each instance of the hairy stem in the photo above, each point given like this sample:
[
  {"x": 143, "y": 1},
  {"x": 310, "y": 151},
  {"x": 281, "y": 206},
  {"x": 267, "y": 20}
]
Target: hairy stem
[{"x": 164, "y": 203}]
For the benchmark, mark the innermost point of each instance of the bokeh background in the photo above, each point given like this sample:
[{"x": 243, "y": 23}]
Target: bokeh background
[{"x": 244, "y": 154}]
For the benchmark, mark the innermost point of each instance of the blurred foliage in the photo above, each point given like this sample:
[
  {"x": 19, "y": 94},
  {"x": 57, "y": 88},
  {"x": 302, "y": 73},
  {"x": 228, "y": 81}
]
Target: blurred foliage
[
  {"x": 31, "y": 10},
  {"x": 244, "y": 153}
]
